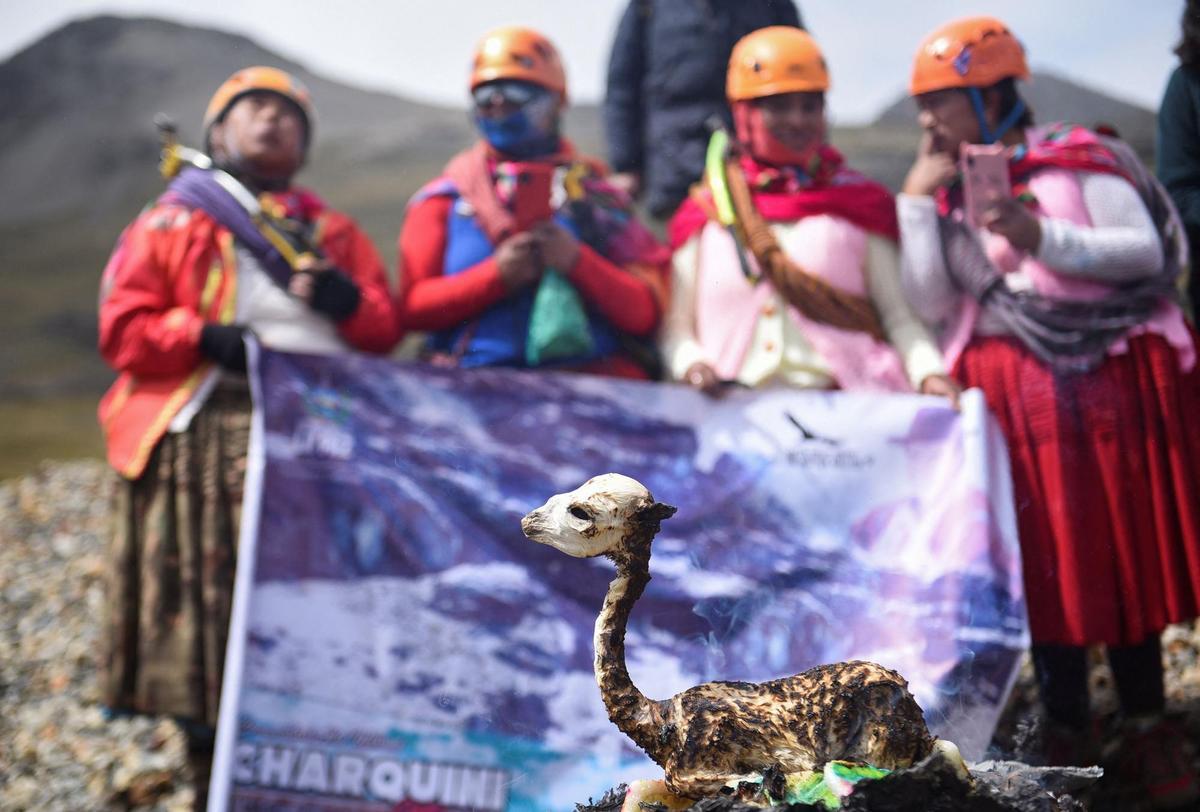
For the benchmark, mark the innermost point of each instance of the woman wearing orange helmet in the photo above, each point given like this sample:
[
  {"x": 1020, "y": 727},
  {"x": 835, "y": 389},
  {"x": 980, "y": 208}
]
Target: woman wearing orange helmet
[
  {"x": 1059, "y": 302},
  {"x": 478, "y": 242},
  {"x": 188, "y": 279},
  {"x": 796, "y": 284}
]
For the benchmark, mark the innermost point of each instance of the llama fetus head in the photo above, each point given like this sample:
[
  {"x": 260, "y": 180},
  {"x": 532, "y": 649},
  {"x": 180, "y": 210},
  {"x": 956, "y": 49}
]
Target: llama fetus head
[{"x": 603, "y": 516}]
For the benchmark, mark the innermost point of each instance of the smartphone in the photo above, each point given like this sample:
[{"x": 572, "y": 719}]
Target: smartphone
[
  {"x": 985, "y": 177},
  {"x": 525, "y": 188}
]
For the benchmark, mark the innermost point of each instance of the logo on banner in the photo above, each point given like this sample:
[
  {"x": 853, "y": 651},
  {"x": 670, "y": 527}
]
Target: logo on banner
[
  {"x": 816, "y": 450},
  {"x": 324, "y": 430}
]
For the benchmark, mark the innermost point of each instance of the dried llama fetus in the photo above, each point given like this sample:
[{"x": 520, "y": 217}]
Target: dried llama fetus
[{"x": 709, "y": 734}]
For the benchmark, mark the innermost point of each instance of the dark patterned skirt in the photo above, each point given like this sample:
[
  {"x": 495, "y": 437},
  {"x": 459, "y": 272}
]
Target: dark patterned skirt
[
  {"x": 1106, "y": 478},
  {"x": 171, "y": 565}
]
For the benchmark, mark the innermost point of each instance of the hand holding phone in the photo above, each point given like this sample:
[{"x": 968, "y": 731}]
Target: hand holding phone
[{"x": 985, "y": 179}]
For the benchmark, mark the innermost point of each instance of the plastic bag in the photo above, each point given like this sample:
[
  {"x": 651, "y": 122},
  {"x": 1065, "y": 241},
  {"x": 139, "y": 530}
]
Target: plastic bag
[{"x": 558, "y": 324}]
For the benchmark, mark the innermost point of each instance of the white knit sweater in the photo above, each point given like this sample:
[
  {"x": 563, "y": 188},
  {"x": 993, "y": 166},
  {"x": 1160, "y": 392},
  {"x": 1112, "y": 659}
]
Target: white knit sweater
[{"x": 1120, "y": 246}]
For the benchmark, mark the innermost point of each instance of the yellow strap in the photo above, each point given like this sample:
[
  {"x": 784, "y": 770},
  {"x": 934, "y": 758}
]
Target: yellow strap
[
  {"x": 279, "y": 241},
  {"x": 212, "y": 283},
  {"x": 272, "y": 211},
  {"x": 573, "y": 180},
  {"x": 156, "y": 430},
  {"x": 229, "y": 256},
  {"x": 318, "y": 235}
]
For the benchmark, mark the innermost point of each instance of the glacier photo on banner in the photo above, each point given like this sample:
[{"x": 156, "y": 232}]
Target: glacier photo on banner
[{"x": 399, "y": 645}]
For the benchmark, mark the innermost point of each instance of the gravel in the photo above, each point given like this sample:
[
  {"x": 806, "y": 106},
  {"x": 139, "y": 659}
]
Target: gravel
[{"x": 61, "y": 750}]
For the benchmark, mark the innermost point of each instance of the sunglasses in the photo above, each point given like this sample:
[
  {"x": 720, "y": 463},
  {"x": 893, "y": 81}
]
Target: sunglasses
[{"x": 506, "y": 91}]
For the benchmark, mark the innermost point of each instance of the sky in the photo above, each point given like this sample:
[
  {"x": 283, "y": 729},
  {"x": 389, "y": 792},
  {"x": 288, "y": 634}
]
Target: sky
[{"x": 421, "y": 48}]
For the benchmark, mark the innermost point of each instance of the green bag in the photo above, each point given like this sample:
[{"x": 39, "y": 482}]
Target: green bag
[{"x": 558, "y": 325}]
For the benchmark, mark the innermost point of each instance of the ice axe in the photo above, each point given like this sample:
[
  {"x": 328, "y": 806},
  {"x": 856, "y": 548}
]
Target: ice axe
[
  {"x": 174, "y": 154},
  {"x": 718, "y": 183}
]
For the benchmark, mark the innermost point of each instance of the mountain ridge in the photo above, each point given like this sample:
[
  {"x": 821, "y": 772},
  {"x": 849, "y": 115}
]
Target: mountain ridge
[
  {"x": 79, "y": 105},
  {"x": 1053, "y": 97}
]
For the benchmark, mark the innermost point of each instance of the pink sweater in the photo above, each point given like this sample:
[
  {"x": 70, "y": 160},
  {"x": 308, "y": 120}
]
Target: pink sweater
[
  {"x": 719, "y": 315},
  {"x": 1081, "y": 257}
]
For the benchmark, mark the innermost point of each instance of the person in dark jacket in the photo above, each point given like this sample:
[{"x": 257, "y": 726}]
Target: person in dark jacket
[
  {"x": 666, "y": 79},
  {"x": 1179, "y": 138}
]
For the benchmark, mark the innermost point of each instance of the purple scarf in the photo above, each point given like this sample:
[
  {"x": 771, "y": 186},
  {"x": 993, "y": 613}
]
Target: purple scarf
[{"x": 197, "y": 189}]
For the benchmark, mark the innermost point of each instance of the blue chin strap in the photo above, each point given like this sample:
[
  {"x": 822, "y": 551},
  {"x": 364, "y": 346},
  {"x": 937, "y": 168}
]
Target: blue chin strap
[{"x": 990, "y": 136}]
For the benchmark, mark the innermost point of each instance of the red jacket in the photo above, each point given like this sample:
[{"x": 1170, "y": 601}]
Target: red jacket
[
  {"x": 175, "y": 269},
  {"x": 630, "y": 295}
]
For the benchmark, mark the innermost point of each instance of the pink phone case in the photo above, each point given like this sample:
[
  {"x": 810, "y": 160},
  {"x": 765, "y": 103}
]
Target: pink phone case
[{"x": 985, "y": 177}]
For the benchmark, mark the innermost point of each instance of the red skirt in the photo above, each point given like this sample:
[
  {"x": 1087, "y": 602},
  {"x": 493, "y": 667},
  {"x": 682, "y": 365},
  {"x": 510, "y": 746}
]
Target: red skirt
[{"x": 1106, "y": 477}]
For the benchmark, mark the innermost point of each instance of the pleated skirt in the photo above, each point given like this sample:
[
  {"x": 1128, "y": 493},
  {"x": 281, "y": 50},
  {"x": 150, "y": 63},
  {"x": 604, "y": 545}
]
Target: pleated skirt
[
  {"x": 171, "y": 564},
  {"x": 1106, "y": 476}
]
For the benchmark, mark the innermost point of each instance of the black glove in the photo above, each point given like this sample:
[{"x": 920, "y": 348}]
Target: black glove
[
  {"x": 334, "y": 294},
  {"x": 225, "y": 344}
]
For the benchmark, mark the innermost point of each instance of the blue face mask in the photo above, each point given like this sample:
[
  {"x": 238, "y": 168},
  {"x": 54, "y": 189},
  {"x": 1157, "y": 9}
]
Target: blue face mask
[{"x": 526, "y": 133}]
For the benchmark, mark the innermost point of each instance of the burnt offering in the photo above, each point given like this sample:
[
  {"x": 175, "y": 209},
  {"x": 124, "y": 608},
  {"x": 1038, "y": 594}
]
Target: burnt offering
[
  {"x": 714, "y": 737},
  {"x": 936, "y": 784}
]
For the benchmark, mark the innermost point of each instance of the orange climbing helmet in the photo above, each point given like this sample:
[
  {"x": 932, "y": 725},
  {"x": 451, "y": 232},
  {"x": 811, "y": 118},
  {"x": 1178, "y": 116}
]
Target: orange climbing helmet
[
  {"x": 971, "y": 52},
  {"x": 773, "y": 60},
  {"x": 518, "y": 53},
  {"x": 259, "y": 78}
]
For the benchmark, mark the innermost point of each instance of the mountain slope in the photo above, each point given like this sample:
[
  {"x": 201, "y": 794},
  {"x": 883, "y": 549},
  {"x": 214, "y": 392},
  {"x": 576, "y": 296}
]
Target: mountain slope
[
  {"x": 77, "y": 132},
  {"x": 1054, "y": 98}
]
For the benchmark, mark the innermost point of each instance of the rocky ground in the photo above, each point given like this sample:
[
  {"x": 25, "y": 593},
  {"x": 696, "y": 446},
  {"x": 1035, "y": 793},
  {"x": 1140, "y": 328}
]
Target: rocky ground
[{"x": 59, "y": 750}]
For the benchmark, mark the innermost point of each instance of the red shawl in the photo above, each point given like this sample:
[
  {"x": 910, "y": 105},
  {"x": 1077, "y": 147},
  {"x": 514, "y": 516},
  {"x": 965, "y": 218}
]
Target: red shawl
[
  {"x": 785, "y": 194},
  {"x": 470, "y": 174}
]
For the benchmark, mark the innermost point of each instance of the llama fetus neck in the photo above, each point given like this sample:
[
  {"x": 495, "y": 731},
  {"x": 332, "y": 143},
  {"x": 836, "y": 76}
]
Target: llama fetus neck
[{"x": 629, "y": 709}]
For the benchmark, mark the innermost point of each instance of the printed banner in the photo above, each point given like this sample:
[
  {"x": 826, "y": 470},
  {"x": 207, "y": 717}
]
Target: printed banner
[{"x": 400, "y": 645}]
